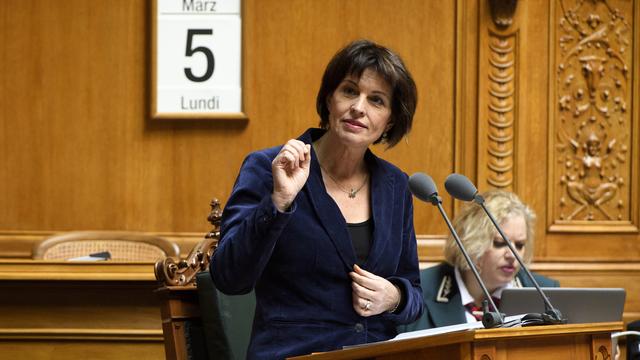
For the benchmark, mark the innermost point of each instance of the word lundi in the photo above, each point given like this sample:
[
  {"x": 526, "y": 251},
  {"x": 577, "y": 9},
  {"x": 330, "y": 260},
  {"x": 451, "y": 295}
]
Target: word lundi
[{"x": 212, "y": 103}]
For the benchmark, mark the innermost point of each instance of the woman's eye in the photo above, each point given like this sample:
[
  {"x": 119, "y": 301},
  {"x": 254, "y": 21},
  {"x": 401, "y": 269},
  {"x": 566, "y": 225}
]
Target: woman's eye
[
  {"x": 349, "y": 91},
  {"x": 378, "y": 101},
  {"x": 499, "y": 244}
]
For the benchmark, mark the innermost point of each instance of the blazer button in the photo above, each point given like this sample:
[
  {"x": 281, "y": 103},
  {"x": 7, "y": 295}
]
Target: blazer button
[{"x": 359, "y": 328}]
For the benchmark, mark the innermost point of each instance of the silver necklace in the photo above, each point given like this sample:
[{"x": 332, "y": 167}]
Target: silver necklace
[{"x": 352, "y": 192}]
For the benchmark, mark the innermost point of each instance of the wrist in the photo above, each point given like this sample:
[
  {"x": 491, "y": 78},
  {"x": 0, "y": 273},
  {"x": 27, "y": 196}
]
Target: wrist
[
  {"x": 397, "y": 305},
  {"x": 280, "y": 204}
]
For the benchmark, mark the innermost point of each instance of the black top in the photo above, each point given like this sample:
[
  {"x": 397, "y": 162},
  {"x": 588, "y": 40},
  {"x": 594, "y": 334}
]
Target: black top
[{"x": 361, "y": 237}]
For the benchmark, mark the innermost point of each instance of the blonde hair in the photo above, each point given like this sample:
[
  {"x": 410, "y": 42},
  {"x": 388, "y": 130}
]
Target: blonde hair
[{"x": 477, "y": 232}]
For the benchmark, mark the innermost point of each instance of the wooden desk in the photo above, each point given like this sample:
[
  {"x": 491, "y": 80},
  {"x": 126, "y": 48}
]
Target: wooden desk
[
  {"x": 562, "y": 342},
  {"x": 72, "y": 310}
]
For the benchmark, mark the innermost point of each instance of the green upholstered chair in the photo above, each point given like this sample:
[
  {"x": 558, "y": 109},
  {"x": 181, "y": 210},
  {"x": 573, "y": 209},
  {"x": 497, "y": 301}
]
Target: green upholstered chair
[{"x": 226, "y": 320}]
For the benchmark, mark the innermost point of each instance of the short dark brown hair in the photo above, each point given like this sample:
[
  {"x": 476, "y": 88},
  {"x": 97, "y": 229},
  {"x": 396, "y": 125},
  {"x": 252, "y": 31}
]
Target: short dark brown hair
[{"x": 354, "y": 59}]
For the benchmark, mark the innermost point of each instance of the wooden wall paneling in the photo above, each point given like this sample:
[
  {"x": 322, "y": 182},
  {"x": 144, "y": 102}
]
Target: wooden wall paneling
[
  {"x": 592, "y": 204},
  {"x": 79, "y": 152},
  {"x": 463, "y": 121},
  {"x": 635, "y": 138},
  {"x": 16, "y": 244},
  {"x": 590, "y": 176},
  {"x": 512, "y": 105},
  {"x": 416, "y": 34},
  {"x": 466, "y": 123},
  {"x": 497, "y": 105},
  {"x": 531, "y": 127},
  {"x": 512, "y": 102}
]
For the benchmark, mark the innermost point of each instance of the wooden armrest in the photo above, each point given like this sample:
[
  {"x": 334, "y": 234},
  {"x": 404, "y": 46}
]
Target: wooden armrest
[{"x": 173, "y": 272}]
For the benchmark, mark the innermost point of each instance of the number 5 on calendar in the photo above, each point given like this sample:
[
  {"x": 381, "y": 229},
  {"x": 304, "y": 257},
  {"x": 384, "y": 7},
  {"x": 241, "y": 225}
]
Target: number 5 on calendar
[{"x": 196, "y": 59}]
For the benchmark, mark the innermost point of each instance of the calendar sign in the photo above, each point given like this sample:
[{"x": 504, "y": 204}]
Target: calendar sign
[{"x": 197, "y": 59}]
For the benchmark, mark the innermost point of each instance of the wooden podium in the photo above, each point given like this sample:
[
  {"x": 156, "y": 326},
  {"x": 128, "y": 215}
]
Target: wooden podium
[{"x": 576, "y": 341}]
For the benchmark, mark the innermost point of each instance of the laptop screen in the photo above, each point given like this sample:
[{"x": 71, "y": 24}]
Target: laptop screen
[{"x": 577, "y": 305}]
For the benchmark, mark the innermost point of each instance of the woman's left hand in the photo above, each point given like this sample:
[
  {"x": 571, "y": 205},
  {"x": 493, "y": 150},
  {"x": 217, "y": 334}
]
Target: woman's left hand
[{"x": 372, "y": 294}]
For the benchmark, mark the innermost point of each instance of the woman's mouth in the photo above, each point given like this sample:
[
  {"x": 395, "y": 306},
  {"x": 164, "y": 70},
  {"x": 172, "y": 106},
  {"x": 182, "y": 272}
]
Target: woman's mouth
[
  {"x": 508, "y": 269},
  {"x": 354, "y": 124}
]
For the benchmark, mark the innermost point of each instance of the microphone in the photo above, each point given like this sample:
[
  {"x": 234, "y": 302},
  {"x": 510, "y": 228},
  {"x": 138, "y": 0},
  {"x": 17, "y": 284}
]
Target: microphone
[
  {"x": 422, "y": 186},
  {"x": 459, "y": 187}
]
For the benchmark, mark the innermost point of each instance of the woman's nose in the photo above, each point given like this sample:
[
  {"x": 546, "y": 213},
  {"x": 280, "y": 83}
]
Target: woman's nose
[
  {"x": 507, "y": 253},
  {"x": 358, "y": 106}
]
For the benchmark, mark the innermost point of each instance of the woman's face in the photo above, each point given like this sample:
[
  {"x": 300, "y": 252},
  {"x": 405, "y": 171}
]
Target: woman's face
[
  {"x": 360, "y": 109},
  {"x": 498, "y": 266}
]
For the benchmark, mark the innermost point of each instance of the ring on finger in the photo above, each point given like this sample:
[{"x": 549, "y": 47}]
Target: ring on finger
[{"x": 367, "y": 305}]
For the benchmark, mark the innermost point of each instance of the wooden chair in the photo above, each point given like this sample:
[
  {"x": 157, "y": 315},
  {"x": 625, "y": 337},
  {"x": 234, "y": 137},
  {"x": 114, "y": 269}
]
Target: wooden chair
[
  {"x": 198, "y": 321},
  {"x": 123, "y": 246}
]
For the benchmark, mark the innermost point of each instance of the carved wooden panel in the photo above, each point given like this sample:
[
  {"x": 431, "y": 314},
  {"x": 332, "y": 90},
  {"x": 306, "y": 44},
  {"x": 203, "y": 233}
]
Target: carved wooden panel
[
  {"x": 497, "y": 111},
  {"x": 501, "y": 105},
  {"x": 591, "y": 123}
]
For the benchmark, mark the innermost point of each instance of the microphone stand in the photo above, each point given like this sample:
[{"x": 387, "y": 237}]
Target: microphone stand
[
  {"x": 490, "y": 319},
  {"x": 551, "y": 315}
]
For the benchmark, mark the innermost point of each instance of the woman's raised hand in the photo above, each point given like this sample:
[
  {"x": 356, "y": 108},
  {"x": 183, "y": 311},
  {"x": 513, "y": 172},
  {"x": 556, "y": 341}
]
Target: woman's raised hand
[{"x": 290, "y": 170}]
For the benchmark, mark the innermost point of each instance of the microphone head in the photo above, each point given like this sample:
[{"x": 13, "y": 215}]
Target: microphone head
[
  {"x": 459, "y": 187},
  {"x": 422, "y": 186}
]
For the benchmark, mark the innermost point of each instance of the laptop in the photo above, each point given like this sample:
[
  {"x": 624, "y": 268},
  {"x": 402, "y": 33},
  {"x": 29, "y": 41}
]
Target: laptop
[{"x": 577, "y": 305}]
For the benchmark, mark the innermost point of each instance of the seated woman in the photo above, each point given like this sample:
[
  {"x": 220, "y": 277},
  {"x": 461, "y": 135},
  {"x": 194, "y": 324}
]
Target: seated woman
[{"x": 451, "y": 293}]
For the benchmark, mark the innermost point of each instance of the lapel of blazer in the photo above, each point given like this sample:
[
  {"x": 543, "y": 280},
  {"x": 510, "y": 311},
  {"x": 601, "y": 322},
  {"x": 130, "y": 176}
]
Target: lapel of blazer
[
  {"x": 445, "y": 308},
  {"x": 329, "y": 214},
  {"x": 382, "y": 201}
]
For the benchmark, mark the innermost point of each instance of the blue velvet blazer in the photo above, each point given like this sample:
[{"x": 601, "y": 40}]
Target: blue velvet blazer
[
  {"x": 298, "y": 262},
  {"x": 442, "y": 302}
]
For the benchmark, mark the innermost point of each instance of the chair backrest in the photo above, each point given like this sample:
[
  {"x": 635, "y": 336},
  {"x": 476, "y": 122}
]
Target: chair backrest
[
  {"x": 227, "y": 320},
  {"x": 122, "y": 245}
]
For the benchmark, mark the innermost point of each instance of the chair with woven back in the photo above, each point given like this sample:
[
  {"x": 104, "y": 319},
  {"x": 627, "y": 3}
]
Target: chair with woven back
[{"x": 123, "y": 246}]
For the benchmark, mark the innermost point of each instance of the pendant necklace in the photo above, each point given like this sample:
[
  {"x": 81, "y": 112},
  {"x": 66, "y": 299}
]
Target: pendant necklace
[{"x": 352, "y": 192}]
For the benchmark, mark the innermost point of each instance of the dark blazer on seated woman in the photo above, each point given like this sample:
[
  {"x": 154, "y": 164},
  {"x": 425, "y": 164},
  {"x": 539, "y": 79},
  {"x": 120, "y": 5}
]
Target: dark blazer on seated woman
[{"x": 442, "y": 301}]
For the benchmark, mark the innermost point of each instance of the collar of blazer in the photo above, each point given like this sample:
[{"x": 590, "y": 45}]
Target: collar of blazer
[
  {"x": 382, "y": 207},
  {"x": 444, "y": 290}
]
